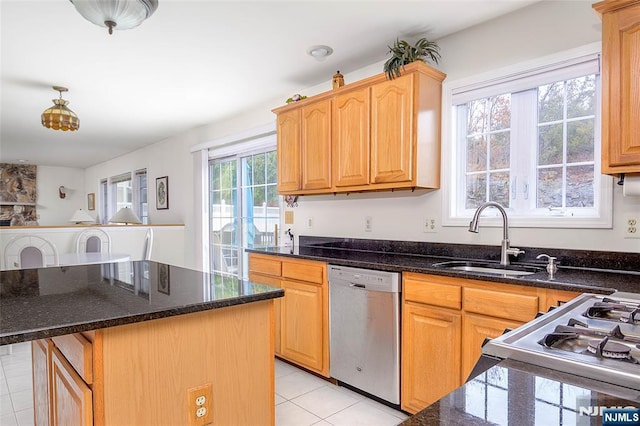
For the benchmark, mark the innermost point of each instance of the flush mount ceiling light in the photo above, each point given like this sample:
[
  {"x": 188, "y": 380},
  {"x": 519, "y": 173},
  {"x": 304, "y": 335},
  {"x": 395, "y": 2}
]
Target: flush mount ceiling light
[
  {"x": 59, "y": 117},
  {"x": 118, "y": 14},
  {"x": 319, "y": 52}
]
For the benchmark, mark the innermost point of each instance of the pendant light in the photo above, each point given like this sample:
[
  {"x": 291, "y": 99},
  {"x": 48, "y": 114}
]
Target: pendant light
[
  {"x": 116, "y": 14},
  {"x": 59, "y": 117}
]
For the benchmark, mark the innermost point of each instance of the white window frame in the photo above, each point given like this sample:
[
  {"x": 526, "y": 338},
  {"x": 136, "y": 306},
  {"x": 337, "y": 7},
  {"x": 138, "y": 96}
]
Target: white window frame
[
  {"x": 137, "y": 195},
  {"x": 452, "y": 193},
  {"x": 237, "y": 152},
  {"x": 112, "y": 197}
]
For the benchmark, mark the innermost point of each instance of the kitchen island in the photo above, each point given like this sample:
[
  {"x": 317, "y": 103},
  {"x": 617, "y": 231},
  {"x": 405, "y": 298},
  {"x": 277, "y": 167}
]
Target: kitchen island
[{"x": 138, "y": 342}]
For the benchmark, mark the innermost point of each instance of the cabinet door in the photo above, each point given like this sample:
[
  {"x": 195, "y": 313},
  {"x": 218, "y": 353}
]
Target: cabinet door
[
  {"x": 392, "y": 131},
  {"x": 273, "y": 282},
  {"x": 351, "y": 138},
  {"x": 302, "y": 324},
  {"x": 430, "y": 355},
  {"x": 288, "y": 124},
  {"x": 620, "y": 87},
  {"x": 475, "y": 328},
  {"x": 316, "y": 145},
  {"x": 41, "y": 368},
  {"x": 71, "y": 398}
]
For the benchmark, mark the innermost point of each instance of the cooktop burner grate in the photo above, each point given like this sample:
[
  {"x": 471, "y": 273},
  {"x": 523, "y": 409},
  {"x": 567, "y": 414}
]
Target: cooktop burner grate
[
  {"x": 614, "y": 310},
  {"x": 602, "y": 346}
]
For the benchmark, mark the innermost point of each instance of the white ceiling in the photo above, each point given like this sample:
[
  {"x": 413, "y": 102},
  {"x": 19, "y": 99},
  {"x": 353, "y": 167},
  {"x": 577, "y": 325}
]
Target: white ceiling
[{"x": 191, "y": 64}]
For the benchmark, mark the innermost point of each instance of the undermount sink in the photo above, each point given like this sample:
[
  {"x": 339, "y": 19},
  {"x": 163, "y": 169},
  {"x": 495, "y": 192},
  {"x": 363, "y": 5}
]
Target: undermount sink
[{"x": 489, "y": 268}]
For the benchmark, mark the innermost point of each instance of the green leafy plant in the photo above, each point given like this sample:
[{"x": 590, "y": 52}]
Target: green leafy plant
[{"x": 402, "y": 53}]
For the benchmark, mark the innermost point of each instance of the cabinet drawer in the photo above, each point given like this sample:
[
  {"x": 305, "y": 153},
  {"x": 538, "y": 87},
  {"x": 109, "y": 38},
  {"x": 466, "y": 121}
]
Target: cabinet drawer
[
  {"x": 78, "y": 351},
  {"x": 430, "y": 293},
  {"x": 518, "y": 307},
  {"x": 268, "y": 265},
  {"x": 257, "y": 278},
  {"x": 313, "y": 272}
]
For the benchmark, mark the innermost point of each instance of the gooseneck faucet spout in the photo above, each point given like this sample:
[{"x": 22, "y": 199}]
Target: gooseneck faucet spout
[{"x": 506, "y": 248}]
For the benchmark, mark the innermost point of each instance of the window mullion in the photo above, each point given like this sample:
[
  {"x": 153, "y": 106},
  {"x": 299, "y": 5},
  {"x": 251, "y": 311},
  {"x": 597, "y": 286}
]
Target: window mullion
[{"x": 524, "y": 148}]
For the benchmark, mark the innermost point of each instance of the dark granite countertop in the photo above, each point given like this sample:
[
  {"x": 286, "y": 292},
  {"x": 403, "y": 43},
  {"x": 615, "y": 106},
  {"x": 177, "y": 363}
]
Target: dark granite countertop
[
  {"x": 47, "y": 302},
  {"x": 579, "y": 271},
  {"x": 514, "y": 393}
]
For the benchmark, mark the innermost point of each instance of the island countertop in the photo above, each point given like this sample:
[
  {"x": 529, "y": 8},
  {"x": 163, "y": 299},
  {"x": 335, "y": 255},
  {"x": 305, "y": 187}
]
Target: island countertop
[
  {"x": 46, "y": 302},
  {"x": 516, "y": 393}
]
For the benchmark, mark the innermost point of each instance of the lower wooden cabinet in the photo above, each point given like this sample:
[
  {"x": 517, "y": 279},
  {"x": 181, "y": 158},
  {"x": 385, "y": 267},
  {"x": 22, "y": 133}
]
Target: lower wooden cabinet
[
  {"x": 273, "y": 282},
  {"x": 430, "y": 354},
  {"x": 41, "y": 370},
  {"x": 302, "y": 315},
  {"x": 71, "y": 398},
  {"x": 476, "y": 328},
  {"x": 301, "y": 324},
  {"x": 445, "y": 322}
]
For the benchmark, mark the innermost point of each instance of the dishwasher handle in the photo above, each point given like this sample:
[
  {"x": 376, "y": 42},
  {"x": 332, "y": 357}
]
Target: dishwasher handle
[{"x": 357, "y": 285}]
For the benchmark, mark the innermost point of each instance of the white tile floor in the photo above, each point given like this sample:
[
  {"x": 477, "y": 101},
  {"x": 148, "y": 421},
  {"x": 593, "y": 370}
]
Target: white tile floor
[
  {"x": 16, "y": 388},
  {"x": 302, "y": 399}
]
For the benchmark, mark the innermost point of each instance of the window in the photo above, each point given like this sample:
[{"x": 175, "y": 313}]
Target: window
[
  {"x": 530, "y": 141},
  {"x": 125, "y": 191},
  {"x": 142, "y": 204},
  {"x": 104, "y": 201},
  {"x": 122, "y": 191},
  {"x": 244, "y": 207}
]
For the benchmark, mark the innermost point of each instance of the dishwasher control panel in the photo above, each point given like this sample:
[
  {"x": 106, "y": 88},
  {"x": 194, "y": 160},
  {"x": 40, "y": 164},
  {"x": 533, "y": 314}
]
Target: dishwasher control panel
[{"x": 366, "y": 278}]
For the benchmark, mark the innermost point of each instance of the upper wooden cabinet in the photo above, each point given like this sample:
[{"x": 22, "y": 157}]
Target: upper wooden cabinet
[
  {"x": 380, "y": 134},
  {"x": 620, "y": 85},
  {"x": 350, "y": 138},
  {"x": 316, "y": 145},
  {"x": 392, "y": 130},
  {"x": 288, "y": 128}
]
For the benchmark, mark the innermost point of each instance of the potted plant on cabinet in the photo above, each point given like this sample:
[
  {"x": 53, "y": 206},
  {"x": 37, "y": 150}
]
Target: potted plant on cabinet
[{"x": 402, "y": 53}]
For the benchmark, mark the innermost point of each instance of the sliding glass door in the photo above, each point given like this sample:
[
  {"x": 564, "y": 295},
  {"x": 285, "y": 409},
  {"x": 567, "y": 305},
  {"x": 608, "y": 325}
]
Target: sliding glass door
[{"x": 244, "y": 209}]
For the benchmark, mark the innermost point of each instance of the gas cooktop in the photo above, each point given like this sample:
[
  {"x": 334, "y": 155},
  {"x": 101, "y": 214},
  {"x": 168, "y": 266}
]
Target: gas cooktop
[{"x": 592, "y": 336}]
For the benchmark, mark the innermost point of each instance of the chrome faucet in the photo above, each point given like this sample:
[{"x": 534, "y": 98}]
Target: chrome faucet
[{"x": 506, "y": 248}]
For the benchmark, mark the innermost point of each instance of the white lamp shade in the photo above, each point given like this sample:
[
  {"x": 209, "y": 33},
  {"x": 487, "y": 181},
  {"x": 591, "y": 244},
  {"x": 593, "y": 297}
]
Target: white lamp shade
[
  {"x": 80, "y": 216},
  {"x": 125, "y": 215},
  {"x": 126, "y": 14}
]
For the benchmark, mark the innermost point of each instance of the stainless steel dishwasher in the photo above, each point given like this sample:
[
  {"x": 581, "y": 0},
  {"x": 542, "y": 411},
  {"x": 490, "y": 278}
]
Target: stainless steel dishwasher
[{"x": 364, "y": 321}]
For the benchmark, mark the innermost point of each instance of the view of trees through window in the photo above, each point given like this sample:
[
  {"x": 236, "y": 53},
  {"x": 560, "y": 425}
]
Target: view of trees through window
[
  {"x": 566, "y": 123},
  {"x": 488, "y": 148},
  {"x": 245, "y": 207},
  {"x": 560, "y": 172}
]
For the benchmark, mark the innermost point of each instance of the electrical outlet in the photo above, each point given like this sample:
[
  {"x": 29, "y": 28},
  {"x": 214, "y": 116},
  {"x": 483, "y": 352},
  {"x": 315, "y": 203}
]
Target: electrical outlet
[
  {"x": 309, "y": 222},
  {"x": 429, "y": 225},
  {"x": 200, "y": 401},
  {"x": 631, "y": 227},
  {"x": 368, "y": 224}
]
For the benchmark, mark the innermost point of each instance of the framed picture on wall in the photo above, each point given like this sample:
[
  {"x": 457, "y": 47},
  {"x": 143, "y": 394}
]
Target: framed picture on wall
[
  {"x": 91, "y": 201},
  {"x": 164, "y": 280},
  {"x": 162, "y": 193}
]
